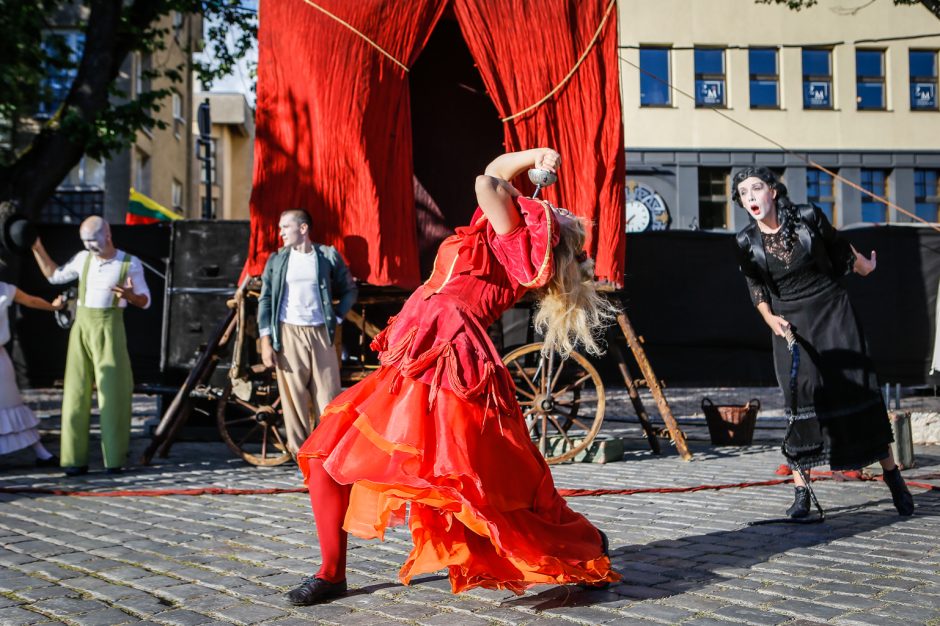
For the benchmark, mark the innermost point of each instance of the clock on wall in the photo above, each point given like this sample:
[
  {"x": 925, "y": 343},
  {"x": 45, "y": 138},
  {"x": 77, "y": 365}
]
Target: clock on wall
[{"x": 645, "y": 209}]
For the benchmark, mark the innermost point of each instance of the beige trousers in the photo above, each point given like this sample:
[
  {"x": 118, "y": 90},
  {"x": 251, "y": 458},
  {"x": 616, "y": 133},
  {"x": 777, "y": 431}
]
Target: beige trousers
[{"x": 307, "y": 377}]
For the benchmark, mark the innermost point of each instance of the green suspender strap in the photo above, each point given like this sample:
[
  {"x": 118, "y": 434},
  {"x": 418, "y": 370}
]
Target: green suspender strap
[
  {"x": 83, "y": 281},
  {"x": 125, "y": 266}
]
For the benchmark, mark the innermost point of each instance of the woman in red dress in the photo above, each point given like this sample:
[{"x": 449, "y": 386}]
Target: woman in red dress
[{"x": 437, "y": 426}]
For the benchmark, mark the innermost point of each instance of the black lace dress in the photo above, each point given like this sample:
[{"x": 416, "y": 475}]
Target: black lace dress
[{"x": 836, "y": 382}]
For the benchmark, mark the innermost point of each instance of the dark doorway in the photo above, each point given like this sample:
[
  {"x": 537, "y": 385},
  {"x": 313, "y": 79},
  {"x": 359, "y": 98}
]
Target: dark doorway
[{"x": 456, "y": 132}]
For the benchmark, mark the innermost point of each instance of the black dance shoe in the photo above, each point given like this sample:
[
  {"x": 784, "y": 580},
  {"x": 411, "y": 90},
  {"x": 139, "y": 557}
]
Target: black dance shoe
[
  {"x": 605, "y": 550},
  {"x": 315, "y": 590},
  {"x": 800, "y": 506},
  {"x": 75, "y": 470},
  {"x": 900, "y": 495},
  {"x": 52, "y": 461},
  {"x": 114, "y": 470}
]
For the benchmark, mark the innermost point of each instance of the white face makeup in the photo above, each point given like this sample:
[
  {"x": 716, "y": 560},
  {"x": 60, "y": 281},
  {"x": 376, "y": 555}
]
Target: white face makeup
[
  {"x": 94, "y": 243},
  {"x": 757, "y": 198}
]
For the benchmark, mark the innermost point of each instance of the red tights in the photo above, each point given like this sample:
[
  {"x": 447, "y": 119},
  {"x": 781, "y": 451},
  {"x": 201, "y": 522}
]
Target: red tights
[{"x": 329, "y": 500}]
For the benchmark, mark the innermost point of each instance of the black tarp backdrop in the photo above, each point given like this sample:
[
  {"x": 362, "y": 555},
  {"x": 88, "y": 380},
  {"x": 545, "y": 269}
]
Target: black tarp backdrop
[
  {"x": 686, "y": 296},
  {"x": 683, "y": 292}
]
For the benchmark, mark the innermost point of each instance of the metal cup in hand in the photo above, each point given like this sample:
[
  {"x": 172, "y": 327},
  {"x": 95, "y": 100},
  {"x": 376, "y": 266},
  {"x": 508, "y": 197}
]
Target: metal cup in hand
[{"x": 541, "y": 178}]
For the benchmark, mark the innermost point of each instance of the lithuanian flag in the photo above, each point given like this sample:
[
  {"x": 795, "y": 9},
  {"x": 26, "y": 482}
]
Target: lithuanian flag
[{"x": 143, "y": 210}]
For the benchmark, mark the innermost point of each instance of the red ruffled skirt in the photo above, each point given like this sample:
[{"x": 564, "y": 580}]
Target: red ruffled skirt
[{"x": 483, "y": 502}]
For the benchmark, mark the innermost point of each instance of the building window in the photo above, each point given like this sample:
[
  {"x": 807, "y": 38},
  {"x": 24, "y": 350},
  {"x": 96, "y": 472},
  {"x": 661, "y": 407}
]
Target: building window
[
  {"x": 142, "y": 174},
  {"x": 177, "y": 25},
  {"x": 870, "y": 80},
  {"x": 923, "y": 67},
  {"x": 143, "y": 74},
  {"x": 875, "y": 181},
  {"x": 713, "y": 198},
  {"x": 927, "y": 194},
  {"x": 178, "y": 120},
  {"x": 817, "y": 78},
  {"x": 88, "y": 174},
  {"x": 765, "y": 78},
  {"x": 820, "y": 191},
  {"x": 709, "y": 77},
  {"x": 654, "y": 77},
  {"x": 176, "y": 193}
]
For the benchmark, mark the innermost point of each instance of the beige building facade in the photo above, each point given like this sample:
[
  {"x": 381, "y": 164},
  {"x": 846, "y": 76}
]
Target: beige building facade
[
  {"x": 712, "y": 85},
  {"x": 232, "y": 149},
  {"x": 161, "y": 162}
]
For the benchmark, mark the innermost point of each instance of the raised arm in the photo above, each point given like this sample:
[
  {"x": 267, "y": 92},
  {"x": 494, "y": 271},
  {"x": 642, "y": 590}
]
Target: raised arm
[
  {"x": 46, "y": 265},
  {"x": 495, "y": 193}
]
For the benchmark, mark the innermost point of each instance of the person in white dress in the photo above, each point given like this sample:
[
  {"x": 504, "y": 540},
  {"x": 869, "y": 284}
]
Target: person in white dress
[{"x": 18, "y": 424}]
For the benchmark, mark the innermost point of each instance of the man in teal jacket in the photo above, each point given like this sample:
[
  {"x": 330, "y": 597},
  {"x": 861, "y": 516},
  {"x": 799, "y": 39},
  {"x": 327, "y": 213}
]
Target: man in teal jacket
[{"x": 297, "y": 322}]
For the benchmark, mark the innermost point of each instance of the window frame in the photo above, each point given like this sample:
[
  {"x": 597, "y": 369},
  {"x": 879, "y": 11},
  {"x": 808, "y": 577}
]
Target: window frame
[
  {"x": 829, "y": 78},
  {"x": 668, "y": 78},
  {"x": 930, "y": 80},
  {"x": 711, "y": 77},
  {"x": 712, "y": 199},
  {"x": 881, "y": 79},
  {"x": 926, "y": 198},
  {"x": 775, "y": 78},
  {"x": 820, "y": 200},
  {"x": 883, "y": 193}
]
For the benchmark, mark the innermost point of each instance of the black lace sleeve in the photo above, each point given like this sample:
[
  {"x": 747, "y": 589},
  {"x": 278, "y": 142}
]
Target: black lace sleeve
[
  {"x": 756, "y": 286},
  {"x": 757, "y": 290}
]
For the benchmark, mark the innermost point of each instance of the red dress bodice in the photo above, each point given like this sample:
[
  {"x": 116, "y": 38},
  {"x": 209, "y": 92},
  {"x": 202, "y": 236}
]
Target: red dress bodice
[{"x": 440, "y": 337}]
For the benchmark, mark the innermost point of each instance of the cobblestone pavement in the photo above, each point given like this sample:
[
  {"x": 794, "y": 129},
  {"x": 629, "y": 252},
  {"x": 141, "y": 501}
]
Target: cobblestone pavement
[{"x": 685, "y": 558}]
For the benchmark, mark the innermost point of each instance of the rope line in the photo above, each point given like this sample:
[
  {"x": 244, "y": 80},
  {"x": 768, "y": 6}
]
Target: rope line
[
  {"x": 359, "y": 33},
  {"x": 786, "y": 150},
  {"x": 574, "y": 69},
  {"x": 569, "y": 493}
]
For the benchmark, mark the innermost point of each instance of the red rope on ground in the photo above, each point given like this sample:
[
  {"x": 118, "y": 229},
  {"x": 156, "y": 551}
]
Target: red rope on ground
[{"x": 570, "y": 493}]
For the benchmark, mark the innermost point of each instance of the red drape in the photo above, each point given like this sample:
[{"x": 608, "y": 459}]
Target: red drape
[
  {"x": 333, "y": 119},
  {"x": 333, "y": 132},
  {"x": 523, "y": 49}
]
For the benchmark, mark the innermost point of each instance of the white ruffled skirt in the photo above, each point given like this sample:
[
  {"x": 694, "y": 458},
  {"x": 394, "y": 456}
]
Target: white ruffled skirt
[{"x": 18, "y": 424}]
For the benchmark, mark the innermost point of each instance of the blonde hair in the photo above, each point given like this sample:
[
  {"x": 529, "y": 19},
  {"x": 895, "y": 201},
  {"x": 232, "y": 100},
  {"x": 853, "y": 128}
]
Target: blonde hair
[{"x": 570, "y": 309}]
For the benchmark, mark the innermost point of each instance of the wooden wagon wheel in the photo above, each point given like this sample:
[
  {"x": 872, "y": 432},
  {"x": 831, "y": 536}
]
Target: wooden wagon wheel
[
  {"x": 253, "y": 430},
  {"x": 555, "y": 396}
]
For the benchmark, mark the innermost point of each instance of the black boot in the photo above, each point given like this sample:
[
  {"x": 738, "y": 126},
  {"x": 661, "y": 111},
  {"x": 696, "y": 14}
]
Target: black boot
[
  {"x": 903, "y": 501},
  {"x": 800, "y": 506}
]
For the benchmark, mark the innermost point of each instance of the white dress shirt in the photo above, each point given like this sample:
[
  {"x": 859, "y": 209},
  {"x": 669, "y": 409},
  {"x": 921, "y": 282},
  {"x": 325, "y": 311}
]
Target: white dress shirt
[{"x": 103, "y": 274}]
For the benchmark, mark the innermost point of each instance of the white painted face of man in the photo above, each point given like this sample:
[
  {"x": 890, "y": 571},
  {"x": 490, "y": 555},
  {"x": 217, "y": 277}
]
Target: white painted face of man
[{"x": 94, "y": 242}]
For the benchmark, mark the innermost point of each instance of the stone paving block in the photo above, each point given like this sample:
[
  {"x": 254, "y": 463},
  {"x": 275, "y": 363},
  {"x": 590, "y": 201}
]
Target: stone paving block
[
  {"x": 658, "y": 612},
  {"x": 910, "y": 597},
  {"x": 450, "y": 619},
  {"x": 143, "y": 605},
  {"x": 750, "y": 615},
  {"x": 247, "y": 613},
  {"x": 182, "y": 617},
  {"x": 331, "y": 611},
  {"x": 15, "y": 616},
  {"x": 104, "y": 617},
  {"x": 857, "y": 603},
  {"x": 806, "y": 610},
  {"x": 35, "y": 594},
  {"x": 66, "y": 607}
]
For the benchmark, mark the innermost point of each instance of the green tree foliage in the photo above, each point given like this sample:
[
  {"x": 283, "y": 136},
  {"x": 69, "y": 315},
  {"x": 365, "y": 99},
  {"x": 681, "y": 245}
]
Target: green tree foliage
[{"x": 92, "y": 114}]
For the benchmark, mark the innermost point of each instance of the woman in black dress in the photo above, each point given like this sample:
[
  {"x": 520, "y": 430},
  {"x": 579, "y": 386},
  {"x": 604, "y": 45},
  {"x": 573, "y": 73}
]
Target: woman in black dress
[{"x": 792, "y": 258}]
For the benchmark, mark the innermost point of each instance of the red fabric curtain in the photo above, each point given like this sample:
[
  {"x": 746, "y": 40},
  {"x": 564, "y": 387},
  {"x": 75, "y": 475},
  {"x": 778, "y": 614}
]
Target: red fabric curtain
[
  {"x": 524, "y": 48},
  {"x": 333, "y": 132}
]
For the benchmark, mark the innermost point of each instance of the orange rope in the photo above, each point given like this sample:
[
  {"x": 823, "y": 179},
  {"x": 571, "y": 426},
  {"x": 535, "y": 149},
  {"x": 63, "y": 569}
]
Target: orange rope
[{"x": 564, "y": 80}]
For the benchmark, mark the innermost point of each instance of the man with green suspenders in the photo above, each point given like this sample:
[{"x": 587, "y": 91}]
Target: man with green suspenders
[{"x": 108, "y": 279}]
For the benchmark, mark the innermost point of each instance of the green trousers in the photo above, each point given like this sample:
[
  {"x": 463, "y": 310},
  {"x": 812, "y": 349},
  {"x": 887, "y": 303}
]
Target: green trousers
[{"x": 97, "y": 354}]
